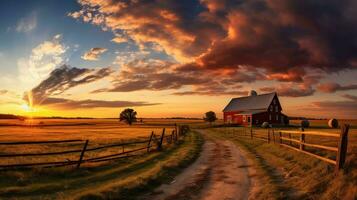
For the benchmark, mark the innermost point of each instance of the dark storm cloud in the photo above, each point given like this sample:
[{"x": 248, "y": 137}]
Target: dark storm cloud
[
  {"x": 334, "y": 87},
  {"x": 66, "y": 104},
  {"x": 280, "y": 35},
  {"x": 62, "y": 79}
]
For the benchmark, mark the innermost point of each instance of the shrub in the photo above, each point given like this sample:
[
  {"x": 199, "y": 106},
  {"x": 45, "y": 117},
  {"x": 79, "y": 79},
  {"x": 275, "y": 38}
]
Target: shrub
[
  {"x": 128, "y": 116},
  {"x": 210, "y": 117},
  {"x": 305, "y": 123}
]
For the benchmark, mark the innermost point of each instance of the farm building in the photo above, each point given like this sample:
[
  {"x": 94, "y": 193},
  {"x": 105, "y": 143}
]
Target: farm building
[{"x": 254, "y": 110}]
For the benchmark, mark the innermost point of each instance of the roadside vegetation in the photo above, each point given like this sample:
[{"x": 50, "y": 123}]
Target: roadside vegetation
[{"x": 287, "y": 174}]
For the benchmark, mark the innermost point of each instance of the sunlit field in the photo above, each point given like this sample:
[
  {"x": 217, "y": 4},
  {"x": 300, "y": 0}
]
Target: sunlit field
[
  {"x": 86, "y": 129},
  {"x": 103, "y": 177},
  {"x": 99, "y": 132}
]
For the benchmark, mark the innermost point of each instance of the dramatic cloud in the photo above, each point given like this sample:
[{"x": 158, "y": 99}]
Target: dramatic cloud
[
  {"x": 27, "y": 24},
  {"x": 174, "y": 25},
  {"x": 284, "y": 38},
  {"x": 94, "y": 53},
  {"x": 334, "y": 87},
  {"x": 280, "y": 35},
  {"x": 66, "y": 104},
  {"x": 62, "y": 79},
  {"x": 43, "y": 59},
  {"x": 346, "y": 109},
  {"x": 214, "y": 90},
  {"x": 290, "y": 90},
  {"x": 152, "y": 75}
]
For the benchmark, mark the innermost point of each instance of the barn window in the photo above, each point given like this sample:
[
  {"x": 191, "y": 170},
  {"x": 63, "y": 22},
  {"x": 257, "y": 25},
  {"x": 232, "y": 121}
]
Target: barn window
[
  {"x": 277, "y": 117},
  {"x": 270, "y": 117},
  {"x": 244, "y": 117},
  {"x": 271, "y": 108},
  {"x": 274, "y": 101},
  {"x": 276, "y": 108},
  {"x": 248, "y": 119}
]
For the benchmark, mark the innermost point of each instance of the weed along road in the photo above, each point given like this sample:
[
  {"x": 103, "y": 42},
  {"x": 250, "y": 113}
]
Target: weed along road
[{"x": 221, "y": 172}]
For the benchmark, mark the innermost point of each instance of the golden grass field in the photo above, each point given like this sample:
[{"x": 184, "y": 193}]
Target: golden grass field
[{"x": 99, "y": 132}]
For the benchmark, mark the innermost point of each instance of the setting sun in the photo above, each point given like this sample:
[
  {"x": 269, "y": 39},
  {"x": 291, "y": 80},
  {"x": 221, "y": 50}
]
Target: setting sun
[{"x": 27, "y": 108}]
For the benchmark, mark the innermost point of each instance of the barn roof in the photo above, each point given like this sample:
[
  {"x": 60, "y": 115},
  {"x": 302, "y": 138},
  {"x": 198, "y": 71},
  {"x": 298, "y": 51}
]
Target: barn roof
[
  {"x": 250, "y": 103},
  {"x": 252, "y": 112}
]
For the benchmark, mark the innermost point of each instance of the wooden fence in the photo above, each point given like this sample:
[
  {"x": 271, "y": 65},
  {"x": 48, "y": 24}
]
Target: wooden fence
[
  {"x": 284, "y": 138},
  {"x": 153, "y": 141}
]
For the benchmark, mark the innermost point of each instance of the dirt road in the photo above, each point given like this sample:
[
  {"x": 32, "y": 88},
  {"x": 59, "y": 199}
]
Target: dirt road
[{"x": 221, "y": 172}]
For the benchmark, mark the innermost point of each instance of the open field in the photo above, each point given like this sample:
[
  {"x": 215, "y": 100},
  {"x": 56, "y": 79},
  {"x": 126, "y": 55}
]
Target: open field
[
  {"x": 89, "y": 129},
  {"x": 123, "y": 178}
]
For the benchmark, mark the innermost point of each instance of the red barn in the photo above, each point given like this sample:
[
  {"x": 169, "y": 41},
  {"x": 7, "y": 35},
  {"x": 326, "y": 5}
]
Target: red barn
[{"x": 254, "y": 110}]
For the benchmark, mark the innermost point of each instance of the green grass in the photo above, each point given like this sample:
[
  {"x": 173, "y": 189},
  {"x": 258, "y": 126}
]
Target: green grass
[
  {"x": 287, "y": 174},
  {"x": 125, "y": 179}
]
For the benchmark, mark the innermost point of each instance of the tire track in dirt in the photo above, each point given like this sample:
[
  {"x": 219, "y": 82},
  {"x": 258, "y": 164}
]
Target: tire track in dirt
[{"x": 221, "y": 172}]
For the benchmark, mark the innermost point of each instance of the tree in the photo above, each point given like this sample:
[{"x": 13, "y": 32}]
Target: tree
[
  {"x": 210, "y": 117},
  {"x": 128, "y": 116}
]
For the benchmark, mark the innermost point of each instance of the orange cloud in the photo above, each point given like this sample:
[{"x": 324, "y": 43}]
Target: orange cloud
[{"x": 94, "y": 53}]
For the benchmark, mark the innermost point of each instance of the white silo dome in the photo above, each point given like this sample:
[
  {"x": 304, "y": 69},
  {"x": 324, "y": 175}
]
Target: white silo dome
[{"x": 252, "y": 93}]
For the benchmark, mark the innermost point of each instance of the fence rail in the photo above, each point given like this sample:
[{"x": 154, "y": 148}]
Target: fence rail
[
  {"x": 279, "y": 136},
  {"x": 153, "y": 141}
]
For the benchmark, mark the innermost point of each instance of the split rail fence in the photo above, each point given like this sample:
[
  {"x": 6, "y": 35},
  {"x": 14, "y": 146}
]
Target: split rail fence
[
  {"x": 286, "y": 138},
  {"x": 146, "y": 146}
]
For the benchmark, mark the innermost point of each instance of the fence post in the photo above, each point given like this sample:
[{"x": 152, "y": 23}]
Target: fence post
[
  {"x": 176, "y": 130},
  {"x": 152, "y": 133},
  {"x": 251, "y": 132},
  {"x": 302, "y": 141},
  {"x": 159, "y": 146},
  {"x": 173, "y": 135},
  {"x": 280, "y": 140},
  {"x": 273, "y": 136},
  {"x": 268, "y": 135},
  {"x": 342, "y": 147},
  {"x": 82, "y": 154}
]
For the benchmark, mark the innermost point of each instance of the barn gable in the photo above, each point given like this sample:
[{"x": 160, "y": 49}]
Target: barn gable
[{"x": 251, "y": 103}]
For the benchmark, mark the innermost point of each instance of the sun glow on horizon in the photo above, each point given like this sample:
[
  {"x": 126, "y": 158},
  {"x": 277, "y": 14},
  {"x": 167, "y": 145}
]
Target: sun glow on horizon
[{"x": 27, "y": 108}]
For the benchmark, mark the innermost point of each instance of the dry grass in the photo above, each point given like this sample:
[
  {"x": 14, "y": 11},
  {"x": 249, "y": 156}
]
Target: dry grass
[
  {"x": 123, "y": 179},
  {"x": 99, "y": 132},
  {"x": 293, "y": 175}
]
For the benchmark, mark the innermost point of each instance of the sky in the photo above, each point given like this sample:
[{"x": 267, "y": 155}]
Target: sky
[{"x": 176, "y": 58}]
